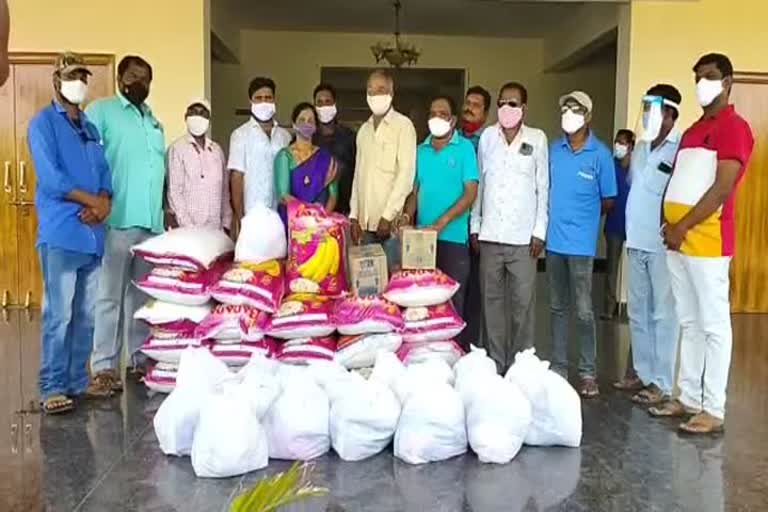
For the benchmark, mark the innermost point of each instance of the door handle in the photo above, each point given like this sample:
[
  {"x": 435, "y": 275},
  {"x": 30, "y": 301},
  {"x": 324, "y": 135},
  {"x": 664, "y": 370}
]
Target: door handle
[
  {"x": 14, "y": 438},
  {"x": 28, "y": 438},
  {"x": 6, "y": 298},
  {"x": 28, "y": 301},
  {"x": 7, "y": 178},
  {"x": 23, "y": 177}
]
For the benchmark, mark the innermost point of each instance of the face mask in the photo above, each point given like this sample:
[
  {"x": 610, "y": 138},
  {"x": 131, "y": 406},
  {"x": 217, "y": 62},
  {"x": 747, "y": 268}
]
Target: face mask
[
  {"x": 379, "y": 104},
  {"x": 74, "y": 91},
  {"x": 510, "y": 116},
  {"x": 197, "y": 125},
  {"x": 439, "y": 127},
  {"x": 136, "y": 93},
  {"x": 470, "y": 127},
  {"x": 708, "y": 90},
  {"x": 572, "y": 122},
  {"x": 305, "y": 130},
  {"x": 620, "y": 150},
  {"x": 263, "y": 112},
  {"x": 326, "y": 113}
]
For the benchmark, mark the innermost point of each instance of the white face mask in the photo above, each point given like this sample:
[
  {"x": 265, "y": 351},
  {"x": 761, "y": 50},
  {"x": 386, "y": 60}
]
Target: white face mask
[
  {"x": 379, "y": 104},
  {"x": 708, "y": 90},
  {"x": 620, "y": 150},
  {"x": 572, "y": 122},
  {"x": 74, "y": 91},
  {"x": 263, "y": 112},
  {"x": 439, "y": 127},
  {"x": 198, "y": 125},
  {"x": 326, "y": 113}
]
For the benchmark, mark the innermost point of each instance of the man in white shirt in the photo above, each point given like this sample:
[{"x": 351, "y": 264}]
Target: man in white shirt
[
  {"x": 385, "y": 168},
  {"x": 509, "y": 223},
  {"x": 252, "y": 150}
]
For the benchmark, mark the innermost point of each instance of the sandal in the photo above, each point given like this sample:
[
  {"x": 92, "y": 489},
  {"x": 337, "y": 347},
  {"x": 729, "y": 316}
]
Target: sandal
[
  {"x": 672, "y": 409},
  {"x": 57, "y": 404},
  {"x": 588, "y": 388},
  {"x": 101, "y": 385},
  {"x": 628, "y": 384},
  {"x": 650, "y": 395},
  {"x": 702, "y": 424}
]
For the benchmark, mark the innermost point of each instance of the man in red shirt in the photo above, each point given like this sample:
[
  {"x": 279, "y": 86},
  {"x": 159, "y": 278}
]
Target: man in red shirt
[{"x": 699, "y": 232}]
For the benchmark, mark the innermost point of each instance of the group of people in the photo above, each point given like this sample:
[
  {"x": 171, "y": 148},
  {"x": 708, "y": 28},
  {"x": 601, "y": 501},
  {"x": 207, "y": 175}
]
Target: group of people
[{"x": 499, "y": 196}]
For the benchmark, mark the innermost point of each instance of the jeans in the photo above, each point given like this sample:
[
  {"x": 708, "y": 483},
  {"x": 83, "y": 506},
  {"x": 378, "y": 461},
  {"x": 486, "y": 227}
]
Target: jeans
[
  {"x": 118, "y": 300},
  {"x": 701, "y": 287},
  {"x": 652, "y": 319},
  {"x": 570, "y": 279},
  {"x": 453, "y": 259},
  {"x": 70, "y": 282},
  {"x": 508, "y": 280},
  {"x": 391, "y": 249},
  {"x": 614, "y": 245}
]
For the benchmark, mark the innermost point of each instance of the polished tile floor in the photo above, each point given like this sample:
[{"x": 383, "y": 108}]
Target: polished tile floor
[{"x": 104, "y": 457}]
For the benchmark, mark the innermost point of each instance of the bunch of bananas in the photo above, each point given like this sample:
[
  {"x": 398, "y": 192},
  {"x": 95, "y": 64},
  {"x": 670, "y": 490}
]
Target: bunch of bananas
[{"x": 325, "y": 261}]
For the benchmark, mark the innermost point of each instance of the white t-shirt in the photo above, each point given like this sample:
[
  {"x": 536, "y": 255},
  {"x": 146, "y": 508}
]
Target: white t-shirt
[{"x": 252, "y": 152}]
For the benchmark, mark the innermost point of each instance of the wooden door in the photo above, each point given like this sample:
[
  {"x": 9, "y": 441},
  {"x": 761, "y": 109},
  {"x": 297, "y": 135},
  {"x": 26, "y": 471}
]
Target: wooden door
[
  {"x": 749, "y": 271},
  {"x": 9, "y": 278}
]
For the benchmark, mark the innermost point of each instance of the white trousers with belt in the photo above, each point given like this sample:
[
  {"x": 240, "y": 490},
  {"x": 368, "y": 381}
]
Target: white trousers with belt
[{"x": 701, "y": 286}]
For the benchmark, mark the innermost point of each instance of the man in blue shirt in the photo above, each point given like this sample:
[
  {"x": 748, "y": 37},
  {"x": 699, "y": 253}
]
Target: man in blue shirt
[
  {"x": 72, "y": 199},
  {"x": 445, "y": 188},
  {"x": 615, "y": 232},
  {"x": 653, "y": 322},
  {"x": 582, "y": 184}
]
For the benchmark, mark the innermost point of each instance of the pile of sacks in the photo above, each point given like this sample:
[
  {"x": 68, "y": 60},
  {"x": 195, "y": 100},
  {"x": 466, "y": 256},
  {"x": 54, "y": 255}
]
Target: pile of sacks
[
  {"x": 231, "y": 423},
  {"x": 186, "y": 262}
]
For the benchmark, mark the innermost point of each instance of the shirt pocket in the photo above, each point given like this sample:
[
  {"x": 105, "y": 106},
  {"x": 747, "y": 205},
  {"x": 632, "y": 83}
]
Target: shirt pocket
[
  {"x": 156, "y": 137},
  {"x": 387, "y": 157},
  {"x": 656, "y": 181}
]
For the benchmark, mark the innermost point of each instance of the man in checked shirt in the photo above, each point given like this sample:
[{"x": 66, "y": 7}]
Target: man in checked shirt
[{"x": 198, "y": 180}]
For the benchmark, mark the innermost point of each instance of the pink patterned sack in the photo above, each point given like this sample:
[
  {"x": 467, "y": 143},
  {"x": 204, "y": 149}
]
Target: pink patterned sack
[
  {"x": 166, "y": 347},
  {"x": 433, "y": 323},
  {"x": 419, "y": 288},
  {"x": 223, "y": 324},
  {"x": 316, "y": 250},
  {"x": 253, "y": 325},
  {"x": 238, "y": 354},
  {"x": 191, "y": 248},
  {"x": 302, "y": 316},
  {"x": 353, "y": 352},
  {"x": 161, "y": 378},
  {"x": 260, "y": 286},
  {"x": 415, "y": 353},
  {"x": 355, "y": 315},
  {"x": 178, "y": 286},
  {"x": 307, "y": 351}
]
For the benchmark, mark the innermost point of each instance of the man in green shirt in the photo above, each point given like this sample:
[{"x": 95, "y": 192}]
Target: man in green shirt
[{"x": 134, "y": 144}]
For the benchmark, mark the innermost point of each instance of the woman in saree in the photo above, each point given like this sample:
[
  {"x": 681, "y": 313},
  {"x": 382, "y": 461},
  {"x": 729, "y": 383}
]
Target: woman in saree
[{"x": 303, "y": 170}]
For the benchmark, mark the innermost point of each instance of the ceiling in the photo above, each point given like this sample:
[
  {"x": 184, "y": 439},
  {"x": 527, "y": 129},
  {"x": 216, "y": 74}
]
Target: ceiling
[{"x": 530, "y": 18}]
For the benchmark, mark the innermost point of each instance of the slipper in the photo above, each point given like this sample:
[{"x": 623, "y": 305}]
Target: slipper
[
  {"x": 672, "y": 409},
  {"x": 703, "y": 424},
  {"x": 651, "y": 395},
  {"x": 57, "y": 404},
  {"x": 628, "y": 384}
]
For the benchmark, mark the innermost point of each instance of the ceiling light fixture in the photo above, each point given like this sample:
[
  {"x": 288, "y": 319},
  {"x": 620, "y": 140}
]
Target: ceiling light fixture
[{"x": 400, "y": 53}]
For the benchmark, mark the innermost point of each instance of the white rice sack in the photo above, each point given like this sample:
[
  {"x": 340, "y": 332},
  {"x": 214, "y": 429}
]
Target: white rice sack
[{"x": 193, "y": 248}]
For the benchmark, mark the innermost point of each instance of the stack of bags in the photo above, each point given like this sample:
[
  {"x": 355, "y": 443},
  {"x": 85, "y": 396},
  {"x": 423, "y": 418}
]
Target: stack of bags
[
  {"x": 430, "y": 321},
  {"x": 366, "y": 326},
  {"x": 186, "y": 263}
]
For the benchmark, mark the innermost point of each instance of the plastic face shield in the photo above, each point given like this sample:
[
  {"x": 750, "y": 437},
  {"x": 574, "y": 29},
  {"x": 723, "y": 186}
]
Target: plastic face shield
[{"x": 651, "y": 117}]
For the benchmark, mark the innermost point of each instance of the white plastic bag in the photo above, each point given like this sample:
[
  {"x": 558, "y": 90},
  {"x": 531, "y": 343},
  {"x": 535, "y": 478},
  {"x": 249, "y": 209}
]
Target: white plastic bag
[
  {"x": 229, "y": 440},
  {"x": 476, "y": 362},
  {"x": 555, "y": 405},
  {"x": 363, "y": 420},
  {"x": 417, "y": 376},
  {"x": 297, "y": 424},
  {"x": 432, "y": 425},
  {"x": 177, "y": 418},
  {"x": 387, "y": 369},
  {"x": 262, "y": 236}
]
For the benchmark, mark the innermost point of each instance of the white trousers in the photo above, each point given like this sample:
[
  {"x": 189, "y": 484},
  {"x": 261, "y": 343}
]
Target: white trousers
[{"x": 700, "y": 287}]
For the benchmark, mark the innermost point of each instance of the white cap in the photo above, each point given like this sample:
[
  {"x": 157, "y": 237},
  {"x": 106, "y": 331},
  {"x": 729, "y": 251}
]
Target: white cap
[
  {"x": 579, "y": 97},
  {"x": 200, "y": 101}
]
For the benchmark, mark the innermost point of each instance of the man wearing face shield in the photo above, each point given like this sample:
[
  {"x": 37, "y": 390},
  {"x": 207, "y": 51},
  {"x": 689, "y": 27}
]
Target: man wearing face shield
[
  {"x": 445, "y": 188},
  {"x": 699, "y": 233},
  {"x": 384, "y": 170},
  {"x": 134, "y": 143},
  {"x": 652, "y": 319},
  {"x": 72, "y": 200},
  {"x": 509, "y": 224},
  {"x": 198, "y": 181},
  {"x": 583, "y": 184}
]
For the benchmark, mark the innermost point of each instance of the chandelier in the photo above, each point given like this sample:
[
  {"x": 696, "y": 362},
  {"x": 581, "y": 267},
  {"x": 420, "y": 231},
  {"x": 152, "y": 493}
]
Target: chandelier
[{"x": 400, "y": 53}]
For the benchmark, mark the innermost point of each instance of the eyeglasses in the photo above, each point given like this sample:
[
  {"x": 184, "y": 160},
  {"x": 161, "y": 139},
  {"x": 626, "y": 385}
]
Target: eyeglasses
[
  {"x": 511, "y": 103},
  {"x": 576, "y": 109}
]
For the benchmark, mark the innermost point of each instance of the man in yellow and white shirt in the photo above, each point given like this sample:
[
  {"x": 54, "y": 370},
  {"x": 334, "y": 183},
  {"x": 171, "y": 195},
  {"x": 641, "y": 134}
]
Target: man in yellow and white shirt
[{"x": 384, "y": 171}]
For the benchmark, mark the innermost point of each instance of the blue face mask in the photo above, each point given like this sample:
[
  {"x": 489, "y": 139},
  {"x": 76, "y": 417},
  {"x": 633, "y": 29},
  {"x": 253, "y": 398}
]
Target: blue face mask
[{"x": 305, "y": 130}]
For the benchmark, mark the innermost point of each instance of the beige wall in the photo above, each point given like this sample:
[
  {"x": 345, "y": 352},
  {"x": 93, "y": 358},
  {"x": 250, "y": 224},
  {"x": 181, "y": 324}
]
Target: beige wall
[{"x": 170, "y": 34}]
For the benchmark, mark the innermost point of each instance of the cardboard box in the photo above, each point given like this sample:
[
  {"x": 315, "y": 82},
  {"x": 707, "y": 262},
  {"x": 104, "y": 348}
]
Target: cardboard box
[
  {"x": 367, "y": 270},
  {"x": 419, "y": 249}
]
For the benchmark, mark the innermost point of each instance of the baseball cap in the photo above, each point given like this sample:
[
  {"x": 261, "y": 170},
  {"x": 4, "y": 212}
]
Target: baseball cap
[
  {"x": 69, "y": 61},
  {"x": 200, "y": 101},
  {"x": 579, "y": 97}
]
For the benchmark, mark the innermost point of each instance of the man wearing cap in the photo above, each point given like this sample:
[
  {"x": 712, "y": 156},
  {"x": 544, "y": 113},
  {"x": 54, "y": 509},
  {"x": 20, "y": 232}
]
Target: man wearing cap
[
  {"x": 198, "y": 180},
  {"x": 583, "y": 181},
  {"x": 651, "y": 306},
  {"x": 72, "y": 199},
  {"x": 135, "y": 147}
]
